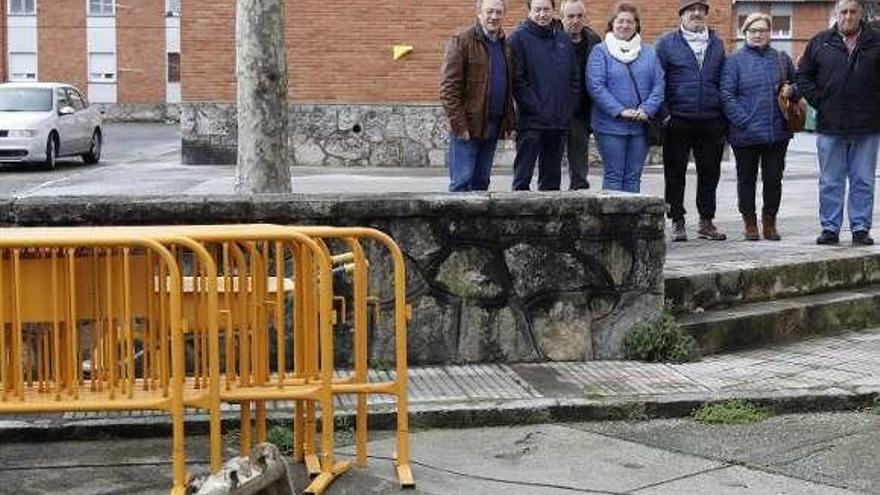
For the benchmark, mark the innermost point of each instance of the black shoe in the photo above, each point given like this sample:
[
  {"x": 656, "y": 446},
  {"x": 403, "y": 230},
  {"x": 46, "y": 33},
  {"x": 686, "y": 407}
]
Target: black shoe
[
  {"x": 829, "y": 237},
  {"x": 861, "y": 238}
]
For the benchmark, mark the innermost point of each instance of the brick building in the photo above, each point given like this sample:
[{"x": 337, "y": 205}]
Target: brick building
[
  {"x": 794, "y": 21},
  {"x": 124, "y": 54},
  {"x": 352, "y": 103}
]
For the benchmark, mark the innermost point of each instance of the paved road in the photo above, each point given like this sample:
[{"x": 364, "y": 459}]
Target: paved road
[
  {"x": 818, "y": 454},
  {"x": 140, "y": 146}
]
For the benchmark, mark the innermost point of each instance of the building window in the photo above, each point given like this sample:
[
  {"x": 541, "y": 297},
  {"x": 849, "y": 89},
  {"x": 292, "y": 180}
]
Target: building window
[
  {"x": 101, "y": 7},
  {"x": 102, "y": 67},
  {"x": 22, "y": 7},
  {"x": 742, "y": 11},
  {"x": 741, "y": 20},
  {"x": 173, "y": 67},
  {"x": 781, "y": 26},
  {"x": 22, "y": 66},
  {"x": 172, "y": 8}
]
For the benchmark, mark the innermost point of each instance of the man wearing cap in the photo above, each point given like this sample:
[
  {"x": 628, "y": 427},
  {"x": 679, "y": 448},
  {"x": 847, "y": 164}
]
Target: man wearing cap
[
  {"x": 476, "y": 91},
  {"x": 839, "y": 74},
  {"x": 692, "y": 57}
]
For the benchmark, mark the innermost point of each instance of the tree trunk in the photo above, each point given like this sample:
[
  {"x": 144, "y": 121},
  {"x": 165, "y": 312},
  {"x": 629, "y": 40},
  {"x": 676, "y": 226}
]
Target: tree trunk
[{"x": 261, "y": 70}]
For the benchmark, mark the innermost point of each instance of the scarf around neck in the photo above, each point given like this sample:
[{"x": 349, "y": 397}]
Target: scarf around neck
[
  {"x": 698, "y": 41},
  {"x": 624, "y": 51}
]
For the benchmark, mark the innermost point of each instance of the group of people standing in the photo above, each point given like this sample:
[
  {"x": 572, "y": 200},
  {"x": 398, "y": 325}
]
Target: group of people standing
[{"x": 554, "y": 81}]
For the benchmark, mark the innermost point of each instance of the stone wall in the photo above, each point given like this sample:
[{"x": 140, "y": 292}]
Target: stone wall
[
  {"x": 140, "y": 112},
  {"x": 337, "y": 135},
  {"x": 500, "y": 277}
]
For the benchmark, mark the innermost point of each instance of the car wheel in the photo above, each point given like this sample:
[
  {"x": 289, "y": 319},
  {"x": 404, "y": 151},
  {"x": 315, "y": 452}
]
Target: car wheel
[
  {"x": 51, "y": 151},
  {"x": 93, "y": 156}
]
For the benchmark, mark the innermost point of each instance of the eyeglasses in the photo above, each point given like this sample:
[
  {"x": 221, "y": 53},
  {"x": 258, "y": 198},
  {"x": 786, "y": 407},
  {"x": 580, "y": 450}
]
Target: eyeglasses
[{"x": 757, "y": 31}]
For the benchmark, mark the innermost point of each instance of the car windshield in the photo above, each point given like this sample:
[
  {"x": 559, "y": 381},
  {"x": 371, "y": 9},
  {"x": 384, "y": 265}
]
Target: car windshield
[{"x": 25, "y": 99}]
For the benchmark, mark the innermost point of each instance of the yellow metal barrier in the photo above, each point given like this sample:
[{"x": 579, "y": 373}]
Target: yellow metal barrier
[
  {"x": 64, "y": 350},
  {"x": 236, "y": 284}
]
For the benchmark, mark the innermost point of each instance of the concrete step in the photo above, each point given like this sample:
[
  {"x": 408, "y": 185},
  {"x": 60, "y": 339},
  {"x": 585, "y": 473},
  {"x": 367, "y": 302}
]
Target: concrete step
[
  {"x": 708, "y": 284},
  {"x": 754, "y": 325}
]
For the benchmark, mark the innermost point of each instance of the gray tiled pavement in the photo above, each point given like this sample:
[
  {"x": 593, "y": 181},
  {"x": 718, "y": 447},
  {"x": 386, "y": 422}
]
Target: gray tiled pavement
[{"x": 847, "y": 365}]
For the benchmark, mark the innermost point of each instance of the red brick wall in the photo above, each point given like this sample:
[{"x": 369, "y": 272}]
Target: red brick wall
[
  {"x": 346, "y": 56},
  {"x": 807, "y": 20},
  {"x": 61, "y": 29},
  {"x": 207, "y": 50},
  {"x": 140, "y": 51}
]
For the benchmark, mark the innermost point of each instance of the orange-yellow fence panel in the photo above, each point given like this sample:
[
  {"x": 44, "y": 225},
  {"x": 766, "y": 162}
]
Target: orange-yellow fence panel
[
  {"x": 256, "y": 306},
  {"x": 67, "y": 322}
]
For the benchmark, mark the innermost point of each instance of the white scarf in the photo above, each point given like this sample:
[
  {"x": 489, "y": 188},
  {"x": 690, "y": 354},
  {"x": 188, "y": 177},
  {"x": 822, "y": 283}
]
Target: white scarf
[
  {"x": 698, "y": 41},
  {"x": 623, "y": 51}
]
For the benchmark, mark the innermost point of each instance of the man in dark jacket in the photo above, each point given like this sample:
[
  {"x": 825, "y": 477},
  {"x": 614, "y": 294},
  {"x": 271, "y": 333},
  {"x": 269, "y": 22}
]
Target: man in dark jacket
[
  {"x": 476, "y": 91},
  {"x": 692, "y": 57},
  {"x": 583, "y": 39},
  {"x": 544, "y": 89},
  {"x": 839, "y": 74}
]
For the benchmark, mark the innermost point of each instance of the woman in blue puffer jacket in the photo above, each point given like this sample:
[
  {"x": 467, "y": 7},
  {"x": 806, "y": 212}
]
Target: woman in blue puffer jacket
[
  {"x": 750, "y": 82},
  {"x": 625, "y": 81}
]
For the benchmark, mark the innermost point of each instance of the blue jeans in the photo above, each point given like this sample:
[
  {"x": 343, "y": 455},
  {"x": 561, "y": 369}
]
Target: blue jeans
[
  {"x": 623, "y": 158},
  {"x": 841, "y": 158},
  {"x": 470, "y": 162}
]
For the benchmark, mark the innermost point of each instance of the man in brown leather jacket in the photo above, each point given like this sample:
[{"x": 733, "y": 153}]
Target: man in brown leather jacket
[{"x": 476, "y": 93}]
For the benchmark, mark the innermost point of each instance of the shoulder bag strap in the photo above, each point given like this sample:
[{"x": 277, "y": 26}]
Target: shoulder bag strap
[
  {"x": 635, "y": 84},
  {"x": 783, "y": 73}
]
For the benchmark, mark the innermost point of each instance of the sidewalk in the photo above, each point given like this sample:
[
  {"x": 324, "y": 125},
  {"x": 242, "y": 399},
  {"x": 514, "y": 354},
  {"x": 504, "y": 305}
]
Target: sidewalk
[{"x": 836, "y": 373}]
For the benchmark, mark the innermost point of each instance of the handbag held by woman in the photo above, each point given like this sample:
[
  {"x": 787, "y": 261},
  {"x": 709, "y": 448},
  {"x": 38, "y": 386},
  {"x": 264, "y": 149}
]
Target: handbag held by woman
[{"x": 793, "y": 111}]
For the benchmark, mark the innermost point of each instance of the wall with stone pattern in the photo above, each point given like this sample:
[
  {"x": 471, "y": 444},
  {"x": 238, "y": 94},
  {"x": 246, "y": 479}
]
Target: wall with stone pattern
[
  {"x": 347, "y": 135},
  {"x": 140, "y": 112},
  {"x": 499, "y": 277}
]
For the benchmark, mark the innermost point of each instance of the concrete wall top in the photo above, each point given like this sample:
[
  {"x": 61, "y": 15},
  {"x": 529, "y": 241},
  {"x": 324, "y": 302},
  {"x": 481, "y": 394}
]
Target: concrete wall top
[{"x": 114, "y": 210}]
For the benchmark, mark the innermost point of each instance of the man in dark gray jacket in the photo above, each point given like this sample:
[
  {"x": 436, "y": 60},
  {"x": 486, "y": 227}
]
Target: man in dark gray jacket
[{"x": 583, "y": 39}]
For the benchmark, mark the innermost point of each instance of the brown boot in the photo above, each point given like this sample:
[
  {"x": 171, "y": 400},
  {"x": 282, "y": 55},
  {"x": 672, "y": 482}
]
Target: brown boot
[
  {"x": 679, "y": 233},
  {"x": 708, "y": 231},
  {"x": 751, "y": 222},
  {"x": 768, "y": 222}
]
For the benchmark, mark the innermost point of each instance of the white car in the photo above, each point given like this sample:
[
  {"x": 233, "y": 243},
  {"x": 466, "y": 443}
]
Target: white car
[{"x": 40, "y": 122}]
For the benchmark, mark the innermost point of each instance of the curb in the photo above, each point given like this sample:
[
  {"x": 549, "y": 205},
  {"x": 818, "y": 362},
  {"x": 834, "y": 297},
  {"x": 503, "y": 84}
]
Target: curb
[{"x": 462, "y": 415}]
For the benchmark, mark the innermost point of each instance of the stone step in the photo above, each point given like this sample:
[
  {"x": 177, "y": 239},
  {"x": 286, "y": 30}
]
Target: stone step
[
  {"x": 786, "y": 320},
  {"x": 707, "y": 285}
]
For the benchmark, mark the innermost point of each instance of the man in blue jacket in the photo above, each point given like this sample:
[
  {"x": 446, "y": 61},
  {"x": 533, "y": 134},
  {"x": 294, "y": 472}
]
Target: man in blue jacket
[
  {"x": 544, "y": 89},
  {"x": 839, "y": 74},
  {"x": 692, "y": 57}
]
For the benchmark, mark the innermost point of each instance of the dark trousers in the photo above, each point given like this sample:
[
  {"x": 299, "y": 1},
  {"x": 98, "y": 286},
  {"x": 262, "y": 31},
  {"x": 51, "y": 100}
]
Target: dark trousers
[
  {"x": 543, "y": 146},
  {"x": 578, "y": 150},
  {"x": 706, "y": 139},
  {"x": 771, "y": 160}
]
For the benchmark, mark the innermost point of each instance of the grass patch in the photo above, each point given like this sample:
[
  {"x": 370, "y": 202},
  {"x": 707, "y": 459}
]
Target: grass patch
[
  {"x": 282, "y": 437},
  {"x": 731, "y": 412},
  {"x": 660, "y": 341}
]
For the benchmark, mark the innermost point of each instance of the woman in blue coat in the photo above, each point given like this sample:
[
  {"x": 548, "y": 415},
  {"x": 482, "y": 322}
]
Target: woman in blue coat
[
  {"x": 625, "y": 81},
  {"x": 750, "y": 81}
]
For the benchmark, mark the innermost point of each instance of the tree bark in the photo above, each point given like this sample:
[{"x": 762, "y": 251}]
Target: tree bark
[{"x": 261, "y": 70}]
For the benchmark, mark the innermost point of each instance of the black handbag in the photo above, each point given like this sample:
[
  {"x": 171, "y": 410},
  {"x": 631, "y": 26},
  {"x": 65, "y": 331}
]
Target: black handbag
[{"x": 655, "y": 127}]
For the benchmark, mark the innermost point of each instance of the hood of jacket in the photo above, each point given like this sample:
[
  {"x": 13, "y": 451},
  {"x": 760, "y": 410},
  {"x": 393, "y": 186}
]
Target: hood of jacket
[{"x": 542, "y": 31}]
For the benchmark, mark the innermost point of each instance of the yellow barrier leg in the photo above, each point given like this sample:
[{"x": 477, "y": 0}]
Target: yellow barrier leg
[
  {"x": 245, "y": 426},
  {"x": 299, "y": 425}
]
